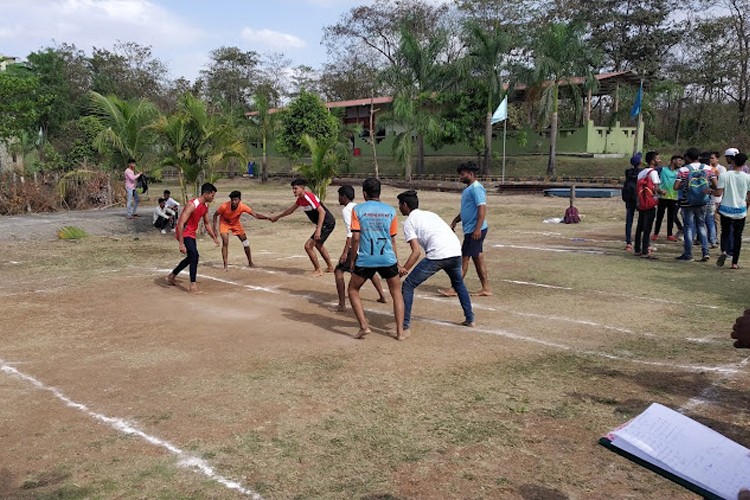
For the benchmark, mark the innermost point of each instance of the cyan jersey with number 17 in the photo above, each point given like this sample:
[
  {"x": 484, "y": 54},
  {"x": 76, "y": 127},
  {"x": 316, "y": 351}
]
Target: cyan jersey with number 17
[{"x": 376, "y": 223}]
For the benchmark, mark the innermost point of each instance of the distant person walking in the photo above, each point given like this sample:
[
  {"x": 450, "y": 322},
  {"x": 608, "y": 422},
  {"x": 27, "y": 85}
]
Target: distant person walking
[
  {"x": 473, "y": 221},
  {"x": 131, "y": 178},
  {"x": 734, "y": 190},
  {"x": 187, "y": 227},
  {"x": 442, "y": 250}
]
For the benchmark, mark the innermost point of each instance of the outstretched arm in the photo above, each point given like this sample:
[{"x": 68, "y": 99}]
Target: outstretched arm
[{"x": 286, "y": 212}]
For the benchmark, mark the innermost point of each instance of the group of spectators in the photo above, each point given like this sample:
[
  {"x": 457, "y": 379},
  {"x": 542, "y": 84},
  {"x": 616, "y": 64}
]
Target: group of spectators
[{"x": 708, "y": 195}]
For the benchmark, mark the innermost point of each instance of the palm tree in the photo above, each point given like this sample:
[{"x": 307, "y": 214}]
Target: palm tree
[
  {"x": 560, "y": 54},
  {"x": 417, "y": 80},
  {"x": 486, "y": 52},
  {"x": 197, "y": 142},
  {"x": 326, "y": 153},
  {"x": 265, "y": 122},
  {"x": 127, "y": 126}
]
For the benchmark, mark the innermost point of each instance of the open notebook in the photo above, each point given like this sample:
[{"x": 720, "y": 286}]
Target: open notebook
[{"x": 684, "y": 451}]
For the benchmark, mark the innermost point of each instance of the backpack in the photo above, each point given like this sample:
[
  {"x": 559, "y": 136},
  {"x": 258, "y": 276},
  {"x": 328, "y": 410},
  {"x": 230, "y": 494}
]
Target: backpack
[
  {"x": 646, "y": 191},
  {"x": 142, "y": 183},
  {"x": 571, "y": 215},
  {"x": 696, "y": 188},
  {"x": 629, "y": 194}
]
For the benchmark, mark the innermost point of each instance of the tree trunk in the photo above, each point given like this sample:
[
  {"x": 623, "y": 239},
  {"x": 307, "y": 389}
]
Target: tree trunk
[
  {"x": 420, "y": 155},
  {"x": 487, "y": 167},
  {"x": 552, "y": 144},
  {"x": 372, "y": 139},
  {"x": 264, "y": 161}
]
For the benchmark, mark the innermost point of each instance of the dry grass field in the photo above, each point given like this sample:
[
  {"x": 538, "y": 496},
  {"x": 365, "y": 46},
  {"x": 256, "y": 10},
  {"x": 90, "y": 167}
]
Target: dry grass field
[{"x": 113, "y": 385}]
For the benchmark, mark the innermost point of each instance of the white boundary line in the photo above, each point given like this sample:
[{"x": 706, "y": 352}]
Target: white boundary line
[
  {"x": 542, "y": 249},
  {"x": 513, "y": 336},
  {"x": 185, "y": 459}
]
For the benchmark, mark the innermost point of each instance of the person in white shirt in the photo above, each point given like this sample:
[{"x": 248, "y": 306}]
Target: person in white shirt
[
  {"x": 712, "y": 209},
  {"x": 171, "y": 203},
  {"x": 442, "y": 248},
  {"x": 346, "y": 197},
  {"x": 734, "y": 186},
  {"x": 164, "y": 216},
  {"x": 646, "y": 217}
]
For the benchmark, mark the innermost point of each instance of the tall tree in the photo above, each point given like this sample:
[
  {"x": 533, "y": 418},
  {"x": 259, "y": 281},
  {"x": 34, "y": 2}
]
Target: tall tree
[
  {"x": 488, "y": 49},
  {"x": 229, "y": 78},
  {"x": 264, "y": 121},
  {"x": 129, "y": 71},
  {"x": 305, "y": 115},
  {"x": 64, "y": 74},
  {"x": 22, "y": 103},
  {"x": 560, "y": 54},
  {"x": 418, "y": 78},
  {"x": 631, "y": 34},
  {"x": 372, "y": 32},
  {"x": 197, "y": 141}
]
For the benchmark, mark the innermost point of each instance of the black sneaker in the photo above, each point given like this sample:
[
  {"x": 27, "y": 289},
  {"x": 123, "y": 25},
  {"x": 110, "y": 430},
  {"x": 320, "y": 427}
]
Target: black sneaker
[
  {"x": 705, "y": 258},
  {"x": 721, "y": 259},
  {"x": 684, "y": 257}
]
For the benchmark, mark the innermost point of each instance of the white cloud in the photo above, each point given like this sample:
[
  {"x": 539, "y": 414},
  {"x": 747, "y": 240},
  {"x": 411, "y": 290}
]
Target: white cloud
[
  {"x": 272, "y": 39},
  {"x": 90, "y": 23}
]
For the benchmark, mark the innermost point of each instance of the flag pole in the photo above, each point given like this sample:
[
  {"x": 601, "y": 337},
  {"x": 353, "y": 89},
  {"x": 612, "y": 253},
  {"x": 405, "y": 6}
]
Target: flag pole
[
  {"x": 639, "y": 123},
  {"x": 505, "y": 130}
]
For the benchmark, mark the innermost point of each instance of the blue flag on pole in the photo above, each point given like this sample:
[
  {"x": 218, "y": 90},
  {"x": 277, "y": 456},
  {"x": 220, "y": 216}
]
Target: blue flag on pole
[
  {"x": 636, "y": 109},
  {"x": 501, "y": 113}
]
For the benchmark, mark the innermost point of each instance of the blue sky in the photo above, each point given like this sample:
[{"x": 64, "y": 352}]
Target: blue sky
[{"x": 180, "y": 32}]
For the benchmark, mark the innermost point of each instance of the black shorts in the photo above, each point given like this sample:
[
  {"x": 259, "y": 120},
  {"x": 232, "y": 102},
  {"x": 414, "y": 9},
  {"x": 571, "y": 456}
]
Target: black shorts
[
  {"x": 367, "y": 273},
  {"x": 325, "y": 232},
  {"x": 345, "y": 265},
  {"x": 472, "y": 247}
]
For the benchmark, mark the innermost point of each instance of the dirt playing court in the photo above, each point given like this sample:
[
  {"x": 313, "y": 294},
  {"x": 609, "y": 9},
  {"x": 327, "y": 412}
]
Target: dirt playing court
[{"x": 113, "y": 385}]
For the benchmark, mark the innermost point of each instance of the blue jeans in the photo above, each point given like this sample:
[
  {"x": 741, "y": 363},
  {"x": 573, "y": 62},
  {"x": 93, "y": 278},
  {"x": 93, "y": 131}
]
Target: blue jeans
[
  {"x": 694, "y": 218},
  {"x": 629, "y": 215},
  {"x": 425, "y": 269},
  {"x": 711, "y": 224},
  {"x": 132, "y": 203}
]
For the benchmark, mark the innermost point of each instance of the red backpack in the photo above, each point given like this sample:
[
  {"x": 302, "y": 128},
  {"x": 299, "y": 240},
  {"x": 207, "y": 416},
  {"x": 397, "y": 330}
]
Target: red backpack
[
  {"x": 646, "y": 191},
  {"x": 571, "y": 215}
]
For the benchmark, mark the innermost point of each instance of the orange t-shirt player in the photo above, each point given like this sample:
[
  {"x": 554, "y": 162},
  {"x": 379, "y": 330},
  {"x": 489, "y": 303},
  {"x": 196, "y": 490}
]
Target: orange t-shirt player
[{"x": 228, "y": 217}]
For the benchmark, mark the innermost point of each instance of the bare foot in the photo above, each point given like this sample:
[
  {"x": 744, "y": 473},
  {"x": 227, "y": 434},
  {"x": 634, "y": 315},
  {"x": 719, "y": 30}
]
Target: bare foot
[
  {"x": 170, "y": 280},
  {"x": 226, "y": 269},
  {"x": 470, "y": 324},
  {"x": 330, "y": 269},
  {"x": 362, "y": 332},
  {"x": 382, "y": 300},
  {"x": 404, "y": 335},
  {"x": 250, "y": 264},
  {"x": 448, "y": 292},
  {"x": 316, "y": 273},
  {"x": 339, "y": 308},
  {"x": 482, "y": 293}
]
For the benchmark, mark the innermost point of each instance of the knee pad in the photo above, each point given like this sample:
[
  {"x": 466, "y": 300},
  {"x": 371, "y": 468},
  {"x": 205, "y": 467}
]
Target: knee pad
[{"x": 246, "y": 243}]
